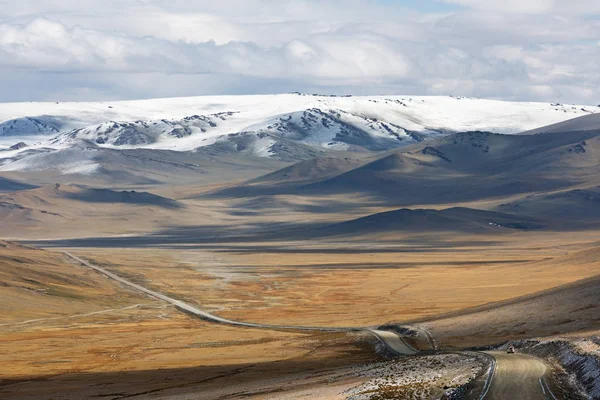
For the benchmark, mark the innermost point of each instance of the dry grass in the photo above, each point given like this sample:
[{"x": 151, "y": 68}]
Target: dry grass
[
  {"x": 86, "y": 336},
  {"x": 133, "y": 344},
  {"x": 319, "y": 284},
  {"x": 41, "y": 284},
  {"x": 155, "y": 350}
]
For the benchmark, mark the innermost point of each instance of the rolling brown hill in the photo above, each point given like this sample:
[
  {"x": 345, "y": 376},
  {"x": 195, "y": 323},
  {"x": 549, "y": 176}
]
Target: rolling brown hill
[
  {"x": 474, "y": 166},
  {"x": 458, "y": 168},
  {"x": 576, "y": 209},
  {"x": 63, "y": 210},
  {"x": 589, "y": 122},
  {"x": 10, "y": 185},
  {"x": 458, "y": 219},
  {"x": 44, "y": 196},
  {"x": 41, "y": 284},
  {"x": 566, "y": 309},
  {"x": 312, "y": 170}
]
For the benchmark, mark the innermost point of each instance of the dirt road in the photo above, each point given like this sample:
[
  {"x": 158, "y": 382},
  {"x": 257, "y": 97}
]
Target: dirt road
[
  {"x": 517, "y": 376},
  {"x": 393, "y": 342}
]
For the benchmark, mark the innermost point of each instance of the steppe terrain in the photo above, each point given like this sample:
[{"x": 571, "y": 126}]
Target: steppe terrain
[{"x": 460, "y": 244}]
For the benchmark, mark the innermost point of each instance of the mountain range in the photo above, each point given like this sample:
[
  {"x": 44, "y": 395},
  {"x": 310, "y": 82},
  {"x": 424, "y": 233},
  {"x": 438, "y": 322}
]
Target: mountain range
[
  {"x": 286, "y": 127},
  {"x": 475, "y": 173}
]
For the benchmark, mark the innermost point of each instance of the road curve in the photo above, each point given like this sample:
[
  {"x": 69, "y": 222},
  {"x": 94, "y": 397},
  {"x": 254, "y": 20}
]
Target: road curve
[
  {"x": 512, "y": 376},
  {"x": 394, "y": 342},
  {"x": 516, "y": 376}
]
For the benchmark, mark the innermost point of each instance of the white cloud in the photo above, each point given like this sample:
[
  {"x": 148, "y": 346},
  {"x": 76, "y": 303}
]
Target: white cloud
[
  {"x": 539, "y": 49},
  {"x": 581, "y": 7},
  {"x": 511, "y": 6}
]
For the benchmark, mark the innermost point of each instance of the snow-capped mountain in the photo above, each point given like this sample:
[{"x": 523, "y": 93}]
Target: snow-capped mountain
[
  {"x": 317, "y": 127},
  {"x": 139, "y": 133},
  {"x": 29, "y": 126},
  {"x": 287, "y": 126}
]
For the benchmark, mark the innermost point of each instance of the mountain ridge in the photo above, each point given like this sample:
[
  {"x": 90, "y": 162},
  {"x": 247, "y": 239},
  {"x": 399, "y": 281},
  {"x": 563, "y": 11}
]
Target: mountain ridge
[{"x": 361, "y": 123}]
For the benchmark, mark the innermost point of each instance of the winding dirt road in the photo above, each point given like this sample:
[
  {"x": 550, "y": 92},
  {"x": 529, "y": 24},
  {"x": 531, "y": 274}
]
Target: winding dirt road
[
  {"x": 394, "y": 342},
  {"x": 517, "y": 376},
  {"x": 391, "y": 340},
  {"x": 512, "y": 376}
]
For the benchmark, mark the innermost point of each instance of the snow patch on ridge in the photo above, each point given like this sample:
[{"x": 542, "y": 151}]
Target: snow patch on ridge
[
  {"x": 371, "y": 123},
  {"x": 67, "y": 161}
]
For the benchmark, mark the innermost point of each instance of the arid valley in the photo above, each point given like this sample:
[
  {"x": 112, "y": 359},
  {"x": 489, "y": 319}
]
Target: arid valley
[{"x": 312, "y": 272}]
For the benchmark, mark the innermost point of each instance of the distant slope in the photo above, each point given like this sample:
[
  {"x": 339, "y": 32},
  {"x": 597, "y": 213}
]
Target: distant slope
[
  {"x": 9, "y": 185},
  {"x": 576, "y": 208},
  {"x": 311, "y": 170},
  {"x": 15, "y": 213},
  {"x": 585, "y": 123},
  {"x": 125, "y": 197},
  {"x": 46, "y": 195},
  {"x": 89, "y": 164},
  {"x": 42, "y": 125},
  {"x": 565, "y": 309},
  {"x": 473, "y": 166},
  {"x": 461, "y": 167},
  {"x": 39, "y": 284},
  {"x": 66, "y": 210},
  {"x": 53, "y": 206},
  {"x": 423, "y": 220}
]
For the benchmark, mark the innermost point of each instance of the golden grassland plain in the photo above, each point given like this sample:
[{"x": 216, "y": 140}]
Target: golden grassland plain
[
  {"x": 82, "y": 335},
  {"x": 354, "y": 284},
  {"x": 67, "y": 329}
]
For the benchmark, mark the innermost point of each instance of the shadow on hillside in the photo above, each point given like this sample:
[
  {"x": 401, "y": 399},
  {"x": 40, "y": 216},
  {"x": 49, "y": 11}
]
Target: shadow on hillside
[
  {"x": 180, "y": 381},
  {"x": 265, "y": 238},
  {"x": 10, "y": 185},
  {"x": 404, "y": 191},
  {"x": 126, "y": 197}
]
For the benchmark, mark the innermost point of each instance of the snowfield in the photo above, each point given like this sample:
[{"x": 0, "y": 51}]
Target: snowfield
[{"x": 285, "y": 126}]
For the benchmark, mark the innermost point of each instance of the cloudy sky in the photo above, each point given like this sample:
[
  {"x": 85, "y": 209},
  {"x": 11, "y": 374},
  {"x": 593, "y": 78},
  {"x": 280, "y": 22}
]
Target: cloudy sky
[{"x": 547, "y": 50}]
